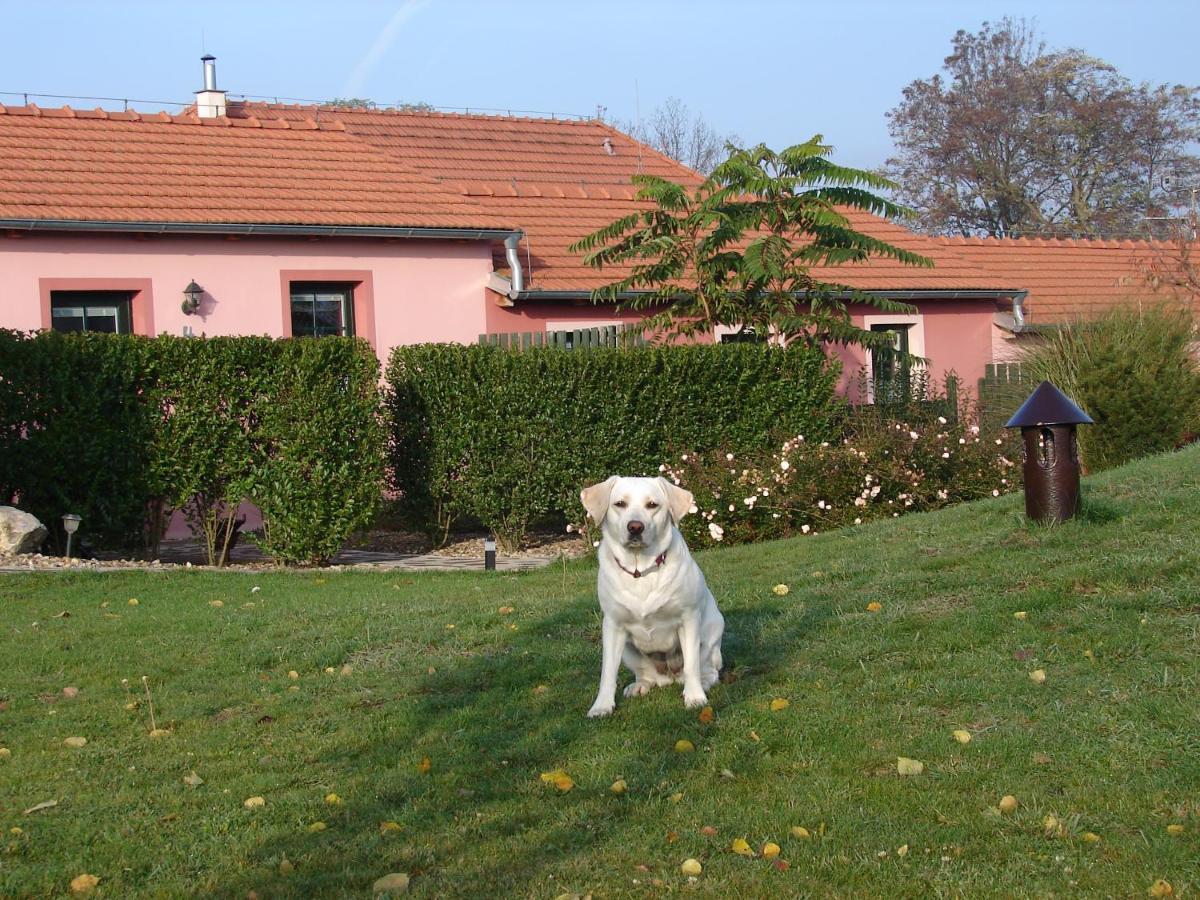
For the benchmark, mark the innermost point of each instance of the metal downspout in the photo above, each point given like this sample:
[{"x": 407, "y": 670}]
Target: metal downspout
[{"x": 514, "y": 265}]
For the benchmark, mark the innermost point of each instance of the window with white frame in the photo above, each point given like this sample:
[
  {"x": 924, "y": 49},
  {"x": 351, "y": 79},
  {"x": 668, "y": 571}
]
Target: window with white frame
[
  {"x": 322, "y": 309},
  {"x": 107, "y": 312}
]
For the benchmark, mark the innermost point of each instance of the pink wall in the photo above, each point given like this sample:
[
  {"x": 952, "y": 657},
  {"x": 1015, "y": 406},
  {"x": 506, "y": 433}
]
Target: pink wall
[
  {"x": 420, "y": 290},
  {"x": 955, "y": 336}
]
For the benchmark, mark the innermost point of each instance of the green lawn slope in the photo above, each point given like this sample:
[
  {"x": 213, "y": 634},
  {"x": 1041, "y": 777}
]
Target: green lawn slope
[{"x": 488, "y": 677}]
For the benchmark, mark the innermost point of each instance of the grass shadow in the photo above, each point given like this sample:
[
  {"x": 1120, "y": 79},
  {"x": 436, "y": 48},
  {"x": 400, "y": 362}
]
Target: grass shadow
[{"x": 491, "y": 720}]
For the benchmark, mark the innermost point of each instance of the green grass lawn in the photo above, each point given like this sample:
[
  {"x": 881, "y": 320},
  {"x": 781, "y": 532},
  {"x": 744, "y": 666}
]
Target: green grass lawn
[{"x": 1109, "y": 744}]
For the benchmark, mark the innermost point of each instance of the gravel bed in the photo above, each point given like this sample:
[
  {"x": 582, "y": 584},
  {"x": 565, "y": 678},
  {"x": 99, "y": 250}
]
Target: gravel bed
[{"x": 248, "y": 558}]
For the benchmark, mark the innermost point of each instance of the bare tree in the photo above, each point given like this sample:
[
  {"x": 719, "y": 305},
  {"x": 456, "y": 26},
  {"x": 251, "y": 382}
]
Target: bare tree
[
  {"x": 1018, "y": 139},
  {"x": 675, "y": 131}
]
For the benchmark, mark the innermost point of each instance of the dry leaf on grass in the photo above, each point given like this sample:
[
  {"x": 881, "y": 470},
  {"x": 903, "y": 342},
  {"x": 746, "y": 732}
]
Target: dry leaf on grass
[
  {"x": 741, "y": 847},
  {"x": 779, "y": 703},
  {"x": 38, "y": 807},
  {"x": 559, "y": 779},
  {"x": 75, "y": 742},
  {"x": 906, "y": 766},
  {"x": 684, "y": 746},
  {"x": 193, "y": 780},
  {"x": 83, "y": 884},
  {"x": 691, "y": 867},
  {"x": 770, "y": 850},
  {"x": 962, "y": 736},
  {"x": 706, "y": 715},
  {"x": 424, "y": 766},
  {"x": 254, "y": 802}
]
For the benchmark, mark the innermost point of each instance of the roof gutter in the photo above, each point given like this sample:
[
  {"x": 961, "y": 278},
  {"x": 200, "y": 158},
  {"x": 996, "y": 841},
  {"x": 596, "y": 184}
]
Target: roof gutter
[
  {"x": 980, "y": 294},
  {"x": 266, "y": 229}
]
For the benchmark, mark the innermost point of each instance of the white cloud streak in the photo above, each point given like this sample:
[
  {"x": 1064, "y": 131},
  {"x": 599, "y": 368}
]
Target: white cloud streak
[{"x": 387, "y": 36}]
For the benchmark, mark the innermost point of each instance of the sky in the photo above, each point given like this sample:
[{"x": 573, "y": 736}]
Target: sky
[{"x": 765, "y": 70}]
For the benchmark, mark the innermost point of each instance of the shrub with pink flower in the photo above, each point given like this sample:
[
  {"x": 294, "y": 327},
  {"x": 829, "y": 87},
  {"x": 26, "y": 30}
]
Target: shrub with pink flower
[{"x": 881, "y": 469}]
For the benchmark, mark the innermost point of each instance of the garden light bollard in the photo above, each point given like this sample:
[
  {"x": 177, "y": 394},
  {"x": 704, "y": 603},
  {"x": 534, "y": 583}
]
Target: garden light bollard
[
  {"x": 1051, "y": 449},
  {"x": 70, "y": 526},
  {"x": 489, "y": 554}
]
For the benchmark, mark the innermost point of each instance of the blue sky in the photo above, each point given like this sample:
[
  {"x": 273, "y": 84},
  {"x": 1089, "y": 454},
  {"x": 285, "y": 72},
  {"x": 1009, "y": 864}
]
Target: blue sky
[{"x": 767, "y": 70}]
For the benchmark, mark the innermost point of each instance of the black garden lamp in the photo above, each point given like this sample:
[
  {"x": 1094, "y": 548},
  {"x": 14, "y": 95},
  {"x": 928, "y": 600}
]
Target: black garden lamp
[
  {"x": 191, "y": 298},
  {"x": 70, "y": 526},
  {"x": 1051, "y": 450}
]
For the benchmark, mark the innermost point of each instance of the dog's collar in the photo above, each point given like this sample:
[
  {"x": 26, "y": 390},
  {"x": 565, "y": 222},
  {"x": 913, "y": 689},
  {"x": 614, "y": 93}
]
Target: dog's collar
[{"x": 658, "y": 561}]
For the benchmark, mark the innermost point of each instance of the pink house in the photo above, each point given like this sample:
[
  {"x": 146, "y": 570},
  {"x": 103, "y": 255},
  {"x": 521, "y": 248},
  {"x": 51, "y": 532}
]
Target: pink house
[{"x": 399, "y": 227}]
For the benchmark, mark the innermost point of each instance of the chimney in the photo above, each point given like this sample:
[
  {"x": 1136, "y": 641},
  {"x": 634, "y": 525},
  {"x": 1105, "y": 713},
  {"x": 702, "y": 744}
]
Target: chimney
[{"x": 210, "y": 102}]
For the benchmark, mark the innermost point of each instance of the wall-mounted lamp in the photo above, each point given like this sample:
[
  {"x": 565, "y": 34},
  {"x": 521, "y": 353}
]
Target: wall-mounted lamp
[
  {"x": 70, "y": 526},
  {"x": 191, "y": 298}
]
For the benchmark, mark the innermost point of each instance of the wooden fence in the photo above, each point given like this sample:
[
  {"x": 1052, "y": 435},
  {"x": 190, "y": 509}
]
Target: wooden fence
[{"x": 577, "y": 339}]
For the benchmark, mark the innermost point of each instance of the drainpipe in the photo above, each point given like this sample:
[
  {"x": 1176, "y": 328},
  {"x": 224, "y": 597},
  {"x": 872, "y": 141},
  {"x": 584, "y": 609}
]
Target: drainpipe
[
  {"x": 514, "y": 265},
  {"x": 1019, "y": 309}
]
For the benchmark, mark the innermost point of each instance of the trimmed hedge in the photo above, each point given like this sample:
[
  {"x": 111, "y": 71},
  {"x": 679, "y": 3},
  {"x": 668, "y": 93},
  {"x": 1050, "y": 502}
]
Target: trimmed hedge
[
  {"x": 124, "y": 429},
  {"x": 508, "y": 437}
]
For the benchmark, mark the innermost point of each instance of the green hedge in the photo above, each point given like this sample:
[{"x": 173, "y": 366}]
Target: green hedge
[
  {"x": 508, "y": 437},
  {"x": 1133, "y": 371},
  {"x": 123, "y": 429}
]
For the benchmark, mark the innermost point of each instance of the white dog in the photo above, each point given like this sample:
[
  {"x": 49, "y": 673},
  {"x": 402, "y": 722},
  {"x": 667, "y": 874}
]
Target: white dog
[{"x": 660, "y": 618}]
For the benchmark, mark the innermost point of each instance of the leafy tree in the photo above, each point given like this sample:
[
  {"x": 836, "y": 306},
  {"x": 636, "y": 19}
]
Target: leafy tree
[
  {"x": 739, "y": 248},
  {"x": 1019, "y": 139},
  {"x": 675, "y": 131},
  {"x": 363, "y": 103}
]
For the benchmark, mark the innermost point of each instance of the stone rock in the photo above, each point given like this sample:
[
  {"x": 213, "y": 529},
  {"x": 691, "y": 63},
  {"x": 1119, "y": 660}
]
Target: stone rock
[{"x": 19, "y": 531}]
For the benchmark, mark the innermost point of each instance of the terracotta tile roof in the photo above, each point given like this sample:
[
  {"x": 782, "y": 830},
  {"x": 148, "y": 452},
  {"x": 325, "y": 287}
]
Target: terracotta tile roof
[
  {"x": 109, "y": 166},
  {"x": 1068, "y": 278},
  {"x": 555, "y": 179},
  {"x": 560, "y": 179}
]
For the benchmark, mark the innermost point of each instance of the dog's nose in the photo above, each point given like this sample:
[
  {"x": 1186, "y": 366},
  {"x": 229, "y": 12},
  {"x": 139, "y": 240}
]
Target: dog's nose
[{"x": 635, "y": 527}]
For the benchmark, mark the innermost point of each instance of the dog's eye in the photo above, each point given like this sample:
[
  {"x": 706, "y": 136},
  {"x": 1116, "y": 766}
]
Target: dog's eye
[
  {"x": 620, "y": 504},
  {"x": 650, "y": 504}
]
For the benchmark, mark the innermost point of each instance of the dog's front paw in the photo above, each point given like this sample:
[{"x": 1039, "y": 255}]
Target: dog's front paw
[
  {"x": 599, "y": 709},
  {"x": 692, "y": 700},
  {"x": 637, "y": 689}
]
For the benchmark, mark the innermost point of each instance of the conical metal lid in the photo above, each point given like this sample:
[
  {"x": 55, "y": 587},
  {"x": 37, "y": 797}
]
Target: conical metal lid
[{"x": 1047, "y": 405}]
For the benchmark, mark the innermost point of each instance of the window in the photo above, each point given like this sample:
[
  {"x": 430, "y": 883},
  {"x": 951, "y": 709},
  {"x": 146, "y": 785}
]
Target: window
[
  {"x": 891, "y": 373},
  {"x": 320, "y": 309},
  {"x": 102, "y": 311}
]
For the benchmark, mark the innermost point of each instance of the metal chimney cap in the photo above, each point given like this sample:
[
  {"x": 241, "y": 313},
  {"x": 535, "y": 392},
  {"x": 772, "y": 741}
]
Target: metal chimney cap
[
  {"x": 207, "y": 57},
  {"x": 1047, "y": 405}
]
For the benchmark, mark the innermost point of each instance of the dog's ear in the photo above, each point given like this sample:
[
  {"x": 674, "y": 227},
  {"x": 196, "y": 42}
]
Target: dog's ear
[
  {"x": 679, "y": 501},
  {"x": 595, "y": 499}
]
